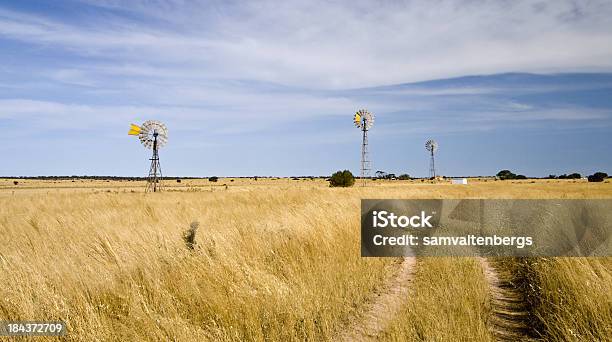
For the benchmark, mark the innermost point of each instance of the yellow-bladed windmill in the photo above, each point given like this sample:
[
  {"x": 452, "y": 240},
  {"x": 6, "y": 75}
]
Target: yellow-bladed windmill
[
  {"x": 364, "y": 120},
  {"x": 152, "y": 134}
]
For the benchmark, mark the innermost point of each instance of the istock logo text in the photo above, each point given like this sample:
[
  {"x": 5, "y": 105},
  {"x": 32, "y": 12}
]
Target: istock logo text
[{"x": 384, "y": 219}]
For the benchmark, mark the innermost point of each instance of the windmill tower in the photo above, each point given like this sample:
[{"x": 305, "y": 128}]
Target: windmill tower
[
  {"x": 153, "y": 135},
  {"x": 364, "y": 120},
  {"x": 432, "y": 146}
]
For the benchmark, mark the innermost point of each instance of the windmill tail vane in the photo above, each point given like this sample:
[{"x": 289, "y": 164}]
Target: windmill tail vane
[{"x": 134, "y": 130}]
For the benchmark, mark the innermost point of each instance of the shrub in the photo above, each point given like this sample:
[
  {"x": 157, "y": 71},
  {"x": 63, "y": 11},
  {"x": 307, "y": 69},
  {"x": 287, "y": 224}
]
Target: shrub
[
  {"x": 178, "y": 180},
  {"x": 520, "y": 177},
  {"x": 190, "y": 234},
  {"x": 598, "y": 177},
  {"x": 342, "y": 179},
  {"x": 15, "y": 182},
  {"x": 213, "y": 179},
  {"x": 404, "y": 177}
]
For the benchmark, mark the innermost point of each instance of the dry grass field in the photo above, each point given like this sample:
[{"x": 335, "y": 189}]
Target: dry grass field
[{"x": 274, "y": 259}]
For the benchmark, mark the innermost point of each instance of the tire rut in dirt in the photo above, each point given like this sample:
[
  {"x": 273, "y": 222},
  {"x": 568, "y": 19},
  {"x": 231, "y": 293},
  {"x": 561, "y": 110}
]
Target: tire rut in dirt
[
  {"x": 381, "y": 311},
  {"x": 510, "y": 312}
]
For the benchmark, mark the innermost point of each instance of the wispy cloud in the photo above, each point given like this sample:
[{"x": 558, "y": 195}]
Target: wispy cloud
[{"x": 337, "y": 44}]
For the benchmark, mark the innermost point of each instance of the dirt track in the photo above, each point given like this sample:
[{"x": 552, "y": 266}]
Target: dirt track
[
  {"x": 384, "y": 308},
  {"x": 509, "y": 311}
]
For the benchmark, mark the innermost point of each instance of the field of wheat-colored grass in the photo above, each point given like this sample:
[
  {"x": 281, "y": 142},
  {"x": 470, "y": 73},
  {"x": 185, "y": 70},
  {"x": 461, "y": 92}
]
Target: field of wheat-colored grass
[{"x": 274, "y": 259}]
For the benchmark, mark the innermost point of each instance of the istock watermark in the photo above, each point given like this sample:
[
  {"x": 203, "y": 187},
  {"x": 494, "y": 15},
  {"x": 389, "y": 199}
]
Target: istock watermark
[
  {"x": 383, "y": 219},
  {"x": 486, "y": 227}
]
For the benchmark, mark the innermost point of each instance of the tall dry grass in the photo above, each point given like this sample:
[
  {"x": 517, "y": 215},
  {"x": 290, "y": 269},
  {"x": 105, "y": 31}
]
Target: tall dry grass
[
  {"x": 571, "y": 298},
  {"x": 268, "y": 265},
  {"x": 271, "y": 261}
]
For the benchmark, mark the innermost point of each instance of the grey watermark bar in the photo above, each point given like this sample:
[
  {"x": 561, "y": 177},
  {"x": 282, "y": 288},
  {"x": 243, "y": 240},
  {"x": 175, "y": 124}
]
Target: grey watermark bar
[
  {"x": 486, "y": 227},
  {"x": 32, "y": 328}
]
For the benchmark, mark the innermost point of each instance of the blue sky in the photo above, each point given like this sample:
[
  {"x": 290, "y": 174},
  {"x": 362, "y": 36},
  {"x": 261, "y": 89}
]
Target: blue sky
[{"x": 268, "y": 88}]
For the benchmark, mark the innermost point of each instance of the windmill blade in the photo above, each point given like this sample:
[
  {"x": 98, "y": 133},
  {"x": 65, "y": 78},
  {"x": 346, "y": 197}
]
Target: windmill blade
[
  {"x": 161, "y": 142},
  {"x": 143, "y": 137},
  {"x": 369, "y": 120}
]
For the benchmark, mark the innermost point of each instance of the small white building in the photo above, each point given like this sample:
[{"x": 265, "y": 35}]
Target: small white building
[{"x": 459, "y": 181}]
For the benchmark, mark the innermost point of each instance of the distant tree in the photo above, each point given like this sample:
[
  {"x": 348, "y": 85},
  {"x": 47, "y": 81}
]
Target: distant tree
[
  {"x": 520, "y": 177},
  {"x": 390, "y": 176},
  {"x": 342, "y": 179},
  {"x": 574, "y": 175},
  {"x": 552, "y": 176},
  {"x": 213, "y": 179},
  {"x": 598, "y": 177},
  {"x": 404, "y": 177},
  {"x": 380, "y": 174},
  {"x": 506, "y": 174}
]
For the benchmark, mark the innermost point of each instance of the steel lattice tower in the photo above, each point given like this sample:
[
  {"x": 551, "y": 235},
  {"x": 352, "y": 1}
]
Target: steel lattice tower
[
  {"x": 432, "y": 166},
  {"x": 366, "y": 165},
  {"x": 155, "y": 174}
]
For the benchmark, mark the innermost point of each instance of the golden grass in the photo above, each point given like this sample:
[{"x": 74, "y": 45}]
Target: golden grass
[
  {"x": 275, "y": 260},
  {"x": 448, "y": 302},
  {"x": 115, "y": 265},
  {"x": 570, "y": 297}
]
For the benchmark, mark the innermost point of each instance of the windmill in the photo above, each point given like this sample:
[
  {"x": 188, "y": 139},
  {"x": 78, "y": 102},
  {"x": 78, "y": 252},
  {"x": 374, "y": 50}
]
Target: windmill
[
  {"x": 364, "y": 120},
  {"x": 432, "y": 146},
  {"x": 152, "y": 134}
]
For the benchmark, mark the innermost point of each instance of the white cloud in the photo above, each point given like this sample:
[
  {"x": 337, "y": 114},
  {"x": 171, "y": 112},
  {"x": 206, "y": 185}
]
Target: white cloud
[{"x": 336, "y": 45}]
